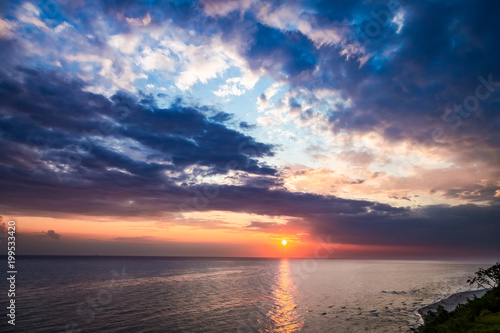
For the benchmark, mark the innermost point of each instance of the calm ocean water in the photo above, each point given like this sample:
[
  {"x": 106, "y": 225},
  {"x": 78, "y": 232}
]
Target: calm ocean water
[{"x": 227, "y": 295}]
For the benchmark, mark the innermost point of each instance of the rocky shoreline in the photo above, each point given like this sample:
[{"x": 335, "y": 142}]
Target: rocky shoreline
[{"x": 449, "y": 303}]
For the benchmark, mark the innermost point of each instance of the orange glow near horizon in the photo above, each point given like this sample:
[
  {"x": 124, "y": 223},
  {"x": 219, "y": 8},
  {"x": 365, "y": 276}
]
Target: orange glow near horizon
[
  {"x": 156, "y": 238},
  {"x": 162, "y": 239}
]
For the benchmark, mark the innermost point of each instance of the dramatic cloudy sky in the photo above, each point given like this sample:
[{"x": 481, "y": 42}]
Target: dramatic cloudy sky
[{"x": 349, "y": 128}]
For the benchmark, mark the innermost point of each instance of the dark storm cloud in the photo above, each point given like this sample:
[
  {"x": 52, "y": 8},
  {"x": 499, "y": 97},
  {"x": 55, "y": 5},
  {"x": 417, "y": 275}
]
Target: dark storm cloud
[
  {"x": 272, "y": 49},
  {"x": 469, "y": 227},
  {"x": 413, "y": 76},
  {"x": 54, "y": 149},
  {"x": 53, "y": 117},
  {"x": 465, "y": 226}
]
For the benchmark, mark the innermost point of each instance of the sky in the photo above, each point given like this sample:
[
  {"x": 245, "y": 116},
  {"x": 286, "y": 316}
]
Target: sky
[{"x": 351, "y": 129}]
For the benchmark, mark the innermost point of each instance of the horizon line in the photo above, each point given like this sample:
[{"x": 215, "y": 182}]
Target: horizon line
[{"x": 98, "y": 256}]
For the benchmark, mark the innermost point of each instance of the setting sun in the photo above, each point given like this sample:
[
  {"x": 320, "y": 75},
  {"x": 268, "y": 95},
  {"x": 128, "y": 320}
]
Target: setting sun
[{"x": 284, "y": 242}]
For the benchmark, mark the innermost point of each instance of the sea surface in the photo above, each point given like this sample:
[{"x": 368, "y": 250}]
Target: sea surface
[{"x": 101, "y": 294}]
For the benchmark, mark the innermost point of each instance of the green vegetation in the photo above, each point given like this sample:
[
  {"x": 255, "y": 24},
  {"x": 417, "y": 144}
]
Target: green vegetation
[
  {"x": 486, "y": 324},
  {"x": 487, "y": 278},
  {"x": 479, "y": 315}
]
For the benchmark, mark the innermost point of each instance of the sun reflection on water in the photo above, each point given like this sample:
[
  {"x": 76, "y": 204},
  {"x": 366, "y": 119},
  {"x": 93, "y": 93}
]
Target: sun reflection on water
[{"x": 283, "y": 314}]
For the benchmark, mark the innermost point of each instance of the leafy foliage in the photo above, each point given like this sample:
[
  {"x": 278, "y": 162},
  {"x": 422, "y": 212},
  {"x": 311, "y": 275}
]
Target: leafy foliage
[
  {"x": 477, "y": 315},
  {"x": 487, "y": 278},
  {"x": 463, "y": 318}
]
